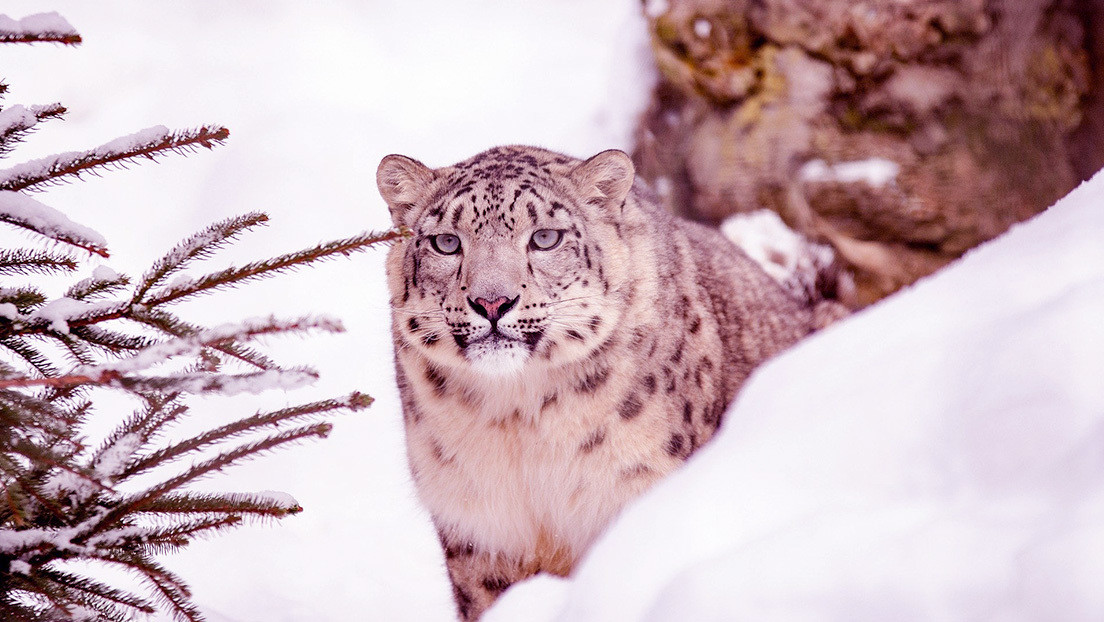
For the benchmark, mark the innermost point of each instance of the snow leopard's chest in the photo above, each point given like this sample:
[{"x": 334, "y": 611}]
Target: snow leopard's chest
[{"x": 538, "y": 470}]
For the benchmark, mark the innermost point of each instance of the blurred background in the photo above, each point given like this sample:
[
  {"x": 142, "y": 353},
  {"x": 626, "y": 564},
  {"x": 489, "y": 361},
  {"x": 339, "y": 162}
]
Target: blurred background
[{"x": 899, "y": 132}]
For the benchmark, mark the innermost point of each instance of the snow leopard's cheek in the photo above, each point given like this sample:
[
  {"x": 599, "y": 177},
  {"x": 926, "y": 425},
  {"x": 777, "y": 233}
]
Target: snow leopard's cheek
[{"x": 581, "y": 308}]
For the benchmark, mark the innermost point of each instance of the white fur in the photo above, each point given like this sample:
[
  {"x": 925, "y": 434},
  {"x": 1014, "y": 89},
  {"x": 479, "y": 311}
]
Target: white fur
[
  {"x": 527, "y": 475},
  {"x": 497, "y": 359}
]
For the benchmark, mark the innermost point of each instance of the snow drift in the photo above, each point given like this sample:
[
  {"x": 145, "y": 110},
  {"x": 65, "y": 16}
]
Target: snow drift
[{"x": 939, "y": 456}]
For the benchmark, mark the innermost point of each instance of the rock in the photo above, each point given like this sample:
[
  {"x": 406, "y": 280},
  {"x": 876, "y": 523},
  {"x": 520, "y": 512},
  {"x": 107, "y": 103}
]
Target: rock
[{"x": 979, "y": 104}]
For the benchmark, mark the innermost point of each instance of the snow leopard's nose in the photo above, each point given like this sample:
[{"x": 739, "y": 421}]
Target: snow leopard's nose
[{"x": 493, "y": 309}]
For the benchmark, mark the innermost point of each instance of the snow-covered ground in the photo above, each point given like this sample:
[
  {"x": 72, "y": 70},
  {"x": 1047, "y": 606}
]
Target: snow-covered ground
[
  {"x": 935, "y": 457},
  {"x": 939, "y": 456}
]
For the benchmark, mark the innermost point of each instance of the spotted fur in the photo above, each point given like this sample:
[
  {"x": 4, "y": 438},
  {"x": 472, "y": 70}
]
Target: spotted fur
[{"x": 619, "y": 351}]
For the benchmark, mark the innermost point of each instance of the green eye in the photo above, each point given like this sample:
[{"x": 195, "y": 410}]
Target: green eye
[
  {"x": 545, "y": 239},
  {"x": 445, "y": 243}
]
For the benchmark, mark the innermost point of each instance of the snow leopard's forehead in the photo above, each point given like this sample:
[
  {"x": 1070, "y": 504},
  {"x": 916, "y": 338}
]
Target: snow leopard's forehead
[{"x": 500, "y": 191}]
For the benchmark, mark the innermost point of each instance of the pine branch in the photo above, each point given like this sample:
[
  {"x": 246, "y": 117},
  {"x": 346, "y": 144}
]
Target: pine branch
[
  {"x": 23, "y": 261},
  {"x": 17, "y": 121},
  {"x": 22, "y": 211},
  {"x": 147, "y": 144},
  {"x": 97, "y": 285},
  {"x": 112, "y": 374},
  {"x": 23, "y": 298},
  {"x": 169, "y": 539},
  {"x": 355, "y": 401},
  {"x": 43, "y": 27},
  {"x": 271, "y": 267},
  {"x": 172, "y": 325},
  {"x": 141, "y": 501},
  {"x": 198, "y": 246},
  {"x": 168, "y": 588},
  {"x": 224, "y": 384},
  {"x": 110, "y": 341},
  {"x": 215, "y": 504},
  {"x": 87, "y": 592},
  {"x": 40, "y": 362}
]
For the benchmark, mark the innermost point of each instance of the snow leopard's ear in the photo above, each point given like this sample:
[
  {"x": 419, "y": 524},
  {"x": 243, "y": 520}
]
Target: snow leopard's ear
[
  {"x": 403, "y": 182},
  {"x": 605, "y": 179}
]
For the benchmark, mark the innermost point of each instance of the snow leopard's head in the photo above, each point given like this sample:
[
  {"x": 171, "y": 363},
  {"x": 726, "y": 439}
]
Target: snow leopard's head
[{"x": 516, "y": 259}]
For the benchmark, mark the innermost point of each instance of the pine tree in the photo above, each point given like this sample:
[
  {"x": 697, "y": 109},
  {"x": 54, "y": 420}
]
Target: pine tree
[{"x": 66, "y": 499}]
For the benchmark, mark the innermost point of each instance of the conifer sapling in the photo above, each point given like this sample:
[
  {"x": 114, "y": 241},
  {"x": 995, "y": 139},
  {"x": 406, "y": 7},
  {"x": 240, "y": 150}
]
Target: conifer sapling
[{"x": 64, "y": 498}]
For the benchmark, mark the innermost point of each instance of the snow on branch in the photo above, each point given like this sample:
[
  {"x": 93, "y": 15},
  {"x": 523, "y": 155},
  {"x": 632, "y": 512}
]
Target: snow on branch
[
  {"x": 41, "y": 27},
  {"x": 147, "y": 143},
  {"x": 16, "y": 121},
  {"x": 115, "y": 373},
  {"x": 23, "y": 211}
]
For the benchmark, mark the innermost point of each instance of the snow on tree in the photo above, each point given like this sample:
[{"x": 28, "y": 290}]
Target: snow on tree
[{"x": 64, "y": 498}]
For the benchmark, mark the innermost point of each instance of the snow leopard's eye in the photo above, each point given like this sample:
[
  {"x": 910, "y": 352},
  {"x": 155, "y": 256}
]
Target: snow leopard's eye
[
  {"x": 445, "y": 243},
  {"x": 545, "y": 239}
]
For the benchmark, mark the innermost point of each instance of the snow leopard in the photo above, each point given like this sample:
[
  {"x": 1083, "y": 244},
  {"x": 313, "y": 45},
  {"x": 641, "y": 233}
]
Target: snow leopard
[{"x": 561, "y": 343}]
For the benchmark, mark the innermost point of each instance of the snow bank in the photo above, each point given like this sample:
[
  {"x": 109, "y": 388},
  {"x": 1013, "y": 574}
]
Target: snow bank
[{"x": 938, "y": 457}]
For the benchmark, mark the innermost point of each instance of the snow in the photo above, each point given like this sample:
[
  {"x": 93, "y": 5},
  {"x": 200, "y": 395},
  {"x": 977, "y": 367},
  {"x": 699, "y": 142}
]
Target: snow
[
  {"x": 25, "y": 211},
  {"x": 16, "y": 117},
  {"x": 39, "y": 23},
  {"x": 275, "y": 497},
  {"x": 114, "y": 459},
  {"x": 59, "y": 312},
  {"x": 37, "y": 168},
  {"x": 103, "y": 273},
  {"x": 19, "y": 566},
  {"x": 655, "y": 8},
  {"x": 784, "y": 254},
  {"x": 242, "y": 332},
  {"x": 315, "y": 94},
  {"x": 934, "y": 457},
  {"x": 874, "y": 171}
]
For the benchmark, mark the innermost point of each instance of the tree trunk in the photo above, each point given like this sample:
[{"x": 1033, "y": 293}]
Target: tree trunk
[{"x": 902, "y": 132}]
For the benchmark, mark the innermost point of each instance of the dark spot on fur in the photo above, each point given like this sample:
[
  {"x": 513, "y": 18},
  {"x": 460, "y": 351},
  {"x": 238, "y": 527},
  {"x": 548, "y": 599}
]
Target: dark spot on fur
[
  {"x": 549, "y": 400},
  {"x": 439, "y": 453},
  {"x": 454, "y": 551},
  {"x": 687, "y": 412},
  {"x": 594, "y": 323},
  {"x": 676, "y": 358},
  {"x": 695, "y": 325},
  {"x": 437, "y": 379},
  {"x": 592, "y": 382},
  {"x": 495, "y": 585},
  {"x": 650, "y": 383},
  {"x": 412, "y": 323},
  {"x": 631, "y": 407},
  {"x": 593, "y": 441},
  {"x": 638, "y": 470},
  {"x": 573, "y": 334},
  {"x": 674, "y": 444},
  {"x": 463, "y": 601},
  {"x": 531, "y": 338}
]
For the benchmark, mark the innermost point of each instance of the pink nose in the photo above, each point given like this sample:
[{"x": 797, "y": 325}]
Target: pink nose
[{"x": 492, "y": 309}]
